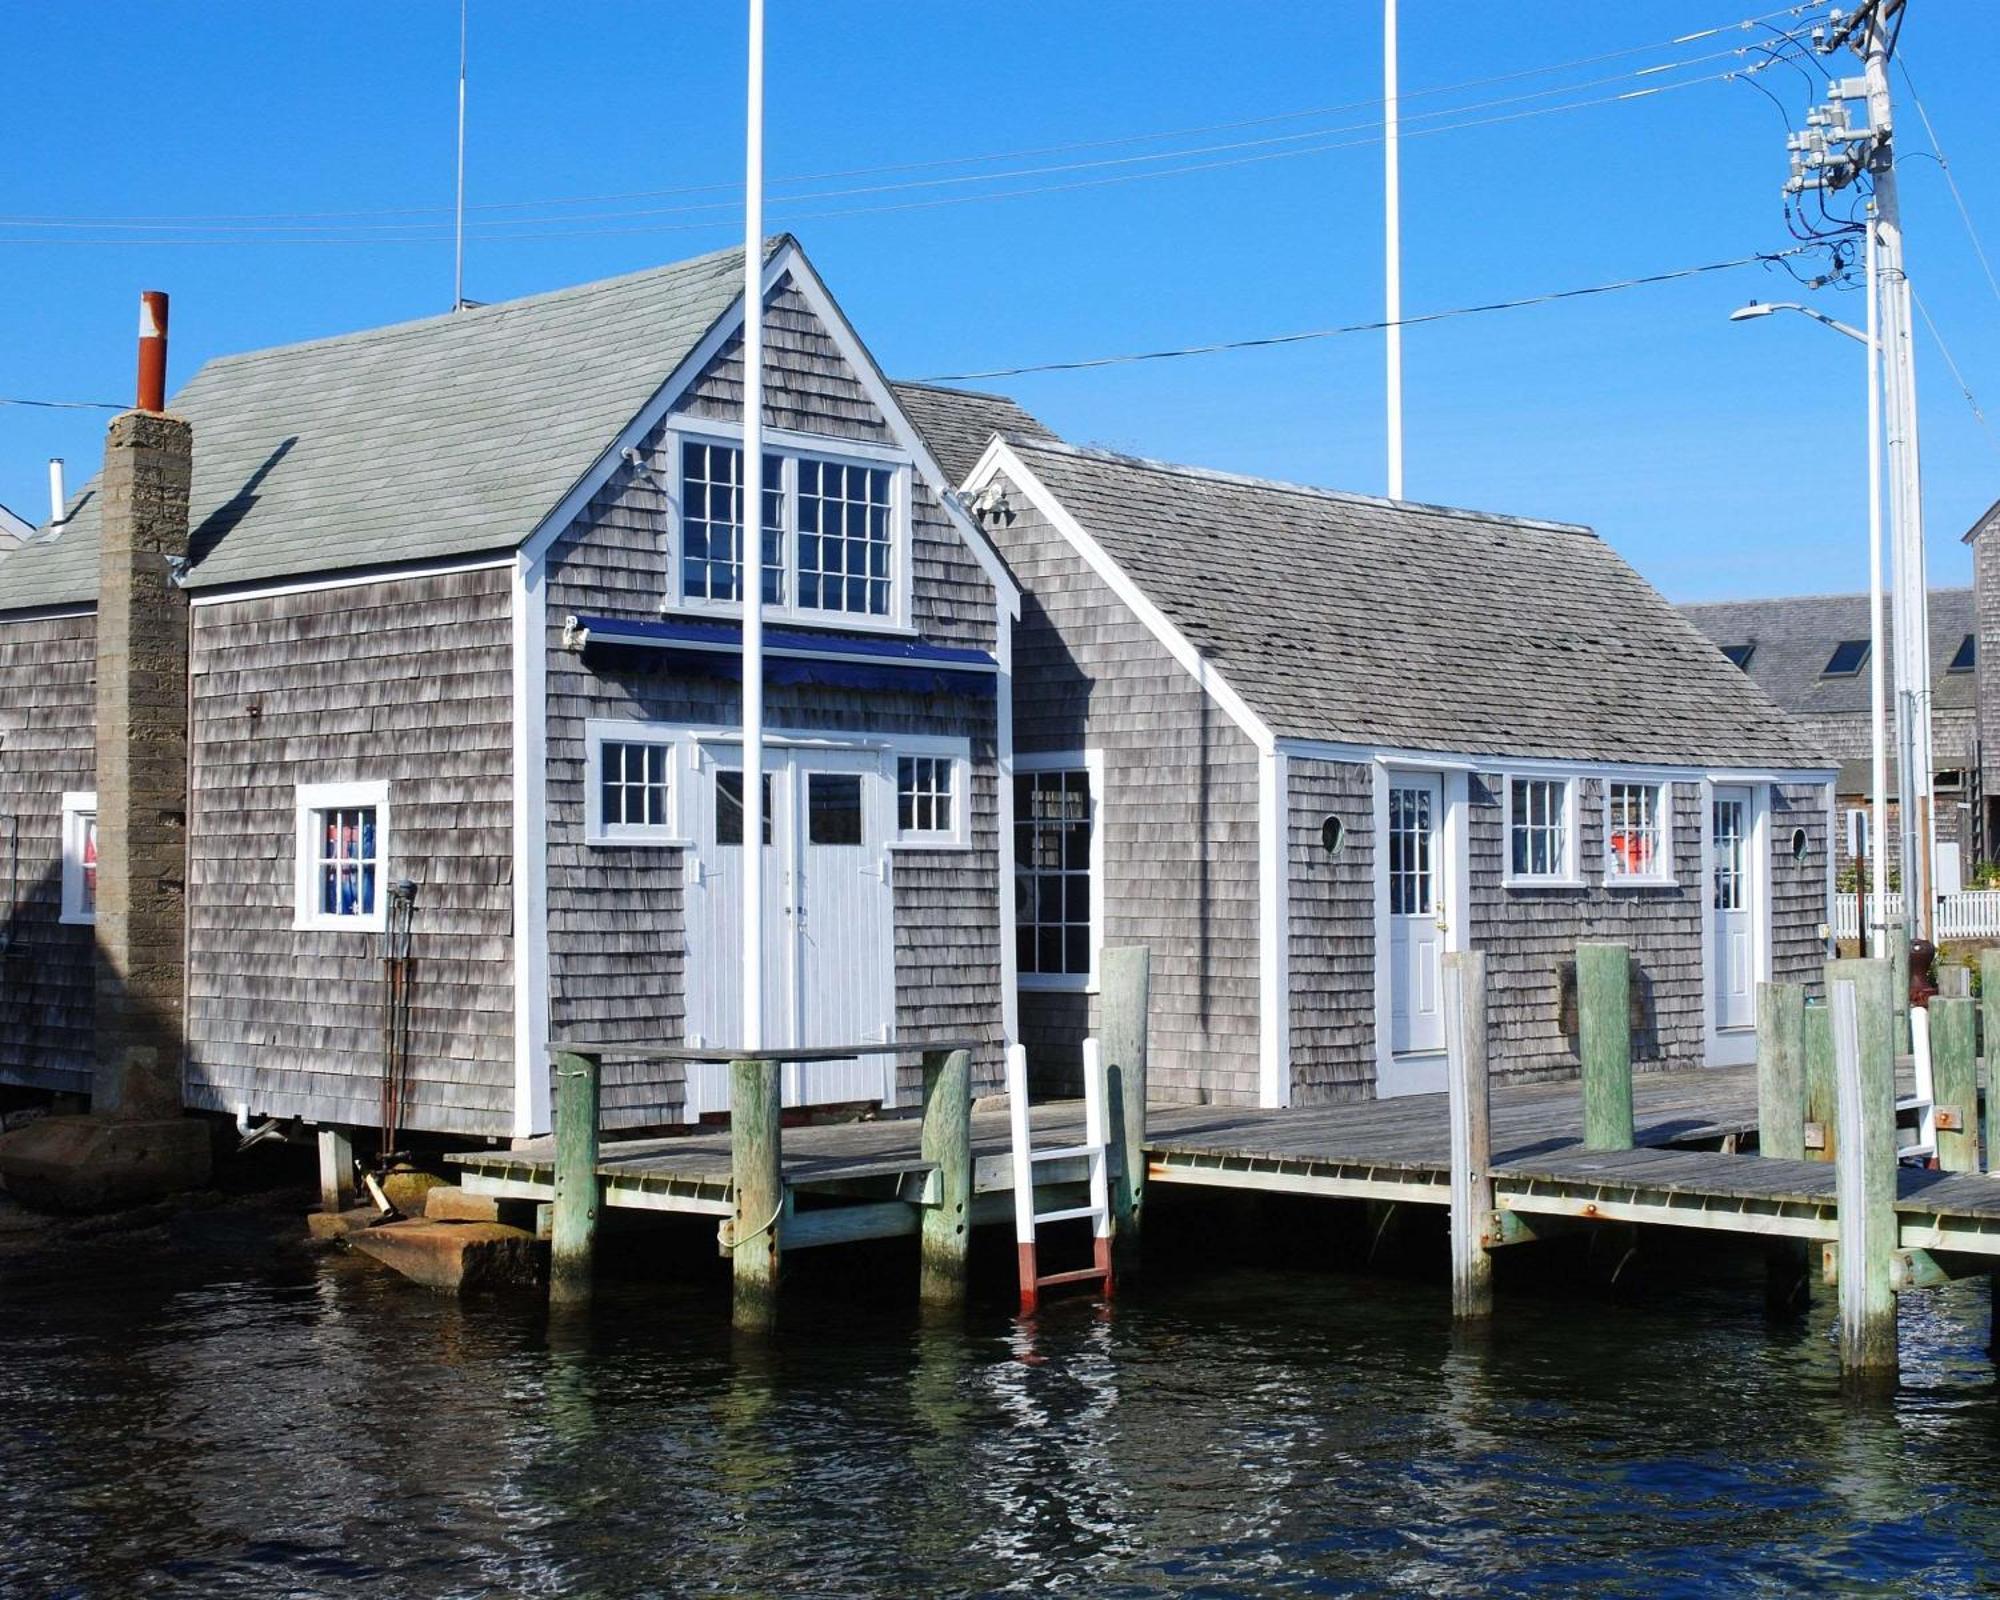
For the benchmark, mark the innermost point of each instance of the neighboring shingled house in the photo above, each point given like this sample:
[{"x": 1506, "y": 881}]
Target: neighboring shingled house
[
  {"x": 13, "y": 530},
  {"x": 462, "y": 605},
  {"x": 1301, "y": 743},
  {"x": 1809, "y": 653}
]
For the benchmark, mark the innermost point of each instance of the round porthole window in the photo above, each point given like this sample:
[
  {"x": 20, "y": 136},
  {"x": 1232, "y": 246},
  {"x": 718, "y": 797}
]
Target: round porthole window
[
  {"x": 1332, "y": 835},
  {"x": 1799, "y": 844}
]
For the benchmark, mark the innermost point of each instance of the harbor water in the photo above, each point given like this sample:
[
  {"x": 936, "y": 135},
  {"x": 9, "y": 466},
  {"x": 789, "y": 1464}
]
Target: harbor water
[{"x": 211, "y": 1422}]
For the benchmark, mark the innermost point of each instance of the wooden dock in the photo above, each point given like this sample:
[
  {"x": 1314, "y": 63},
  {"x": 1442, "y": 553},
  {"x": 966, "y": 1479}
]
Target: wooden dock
[{"x": 851, "y": 1180}]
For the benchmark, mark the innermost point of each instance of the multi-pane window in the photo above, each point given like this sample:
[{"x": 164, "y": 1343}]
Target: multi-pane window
[
  {"x": 1538, "y": 828},
  {"x": 343, "y": 851},
  {"x": 831, "y": 531},
  {"x": 1635, "y": 830},
  {"x": 1731, "y": 856},
  {"x": 712, "y": 523},
  {"x": 924, "y": 795},
  {"x": 1411, "y": 888},
  {"x": 348, "y": 862},
  {"x": 1052, "y": 847},
  {"x": 845, "y": 541},
  {"x": 79, "y": 860},
  {"x": 631, "y": 786}
]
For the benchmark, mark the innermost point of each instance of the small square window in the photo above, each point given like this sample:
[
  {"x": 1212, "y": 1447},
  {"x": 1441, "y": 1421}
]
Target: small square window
[
  {"x": 79, "y": 858},
  {"x": 343, "y": 839},
  {"x": 1847, "y": 660},
  {"x": 729, "y": 807},
  {"x": 924, "y": 799},
  {"x": 833, "y": 808},
  {"x": 629, "y": 787}
]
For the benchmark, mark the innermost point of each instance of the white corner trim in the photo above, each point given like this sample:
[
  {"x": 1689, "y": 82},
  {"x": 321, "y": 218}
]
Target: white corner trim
[
  {"x": 815, "y": 293},
  {"x": 309, "y": 800},
  {"x": 1274, "y": 985},
  {"x": 532, "y": 1111},
  {"x": 999, "y": 457},
  {"x": 77, "y": 806},
  {"x": 1003, "y": 714}
]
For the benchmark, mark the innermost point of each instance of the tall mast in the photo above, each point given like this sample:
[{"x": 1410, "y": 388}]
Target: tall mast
[{"x": 751, "y": 545}]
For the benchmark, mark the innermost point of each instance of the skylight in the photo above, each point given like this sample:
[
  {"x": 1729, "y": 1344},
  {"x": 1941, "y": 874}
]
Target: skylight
[
  {"x": 1967, "y": 653},
  {"x": 1847, "y": 659},
  {"x": 1739, "y": 654}
]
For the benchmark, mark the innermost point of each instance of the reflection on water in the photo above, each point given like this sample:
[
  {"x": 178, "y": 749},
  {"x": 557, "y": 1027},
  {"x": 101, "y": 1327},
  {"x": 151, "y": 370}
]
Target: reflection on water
[{"x": 169, "y": 1431}]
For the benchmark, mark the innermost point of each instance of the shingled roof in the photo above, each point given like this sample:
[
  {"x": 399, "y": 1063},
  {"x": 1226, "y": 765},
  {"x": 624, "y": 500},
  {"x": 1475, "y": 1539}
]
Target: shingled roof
[
  {"x": 1343, "y": 618},
  {"x": 444, "y": 437},
  {"x": 958, "y": 423},
  {"x": 1793, "y": 638}
]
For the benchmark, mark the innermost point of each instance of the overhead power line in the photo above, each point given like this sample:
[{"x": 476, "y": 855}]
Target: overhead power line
[
  {"x": 1964, "y": 388},
  {"x": 1268, "y": 341},
  {"x": 66, "y": 405},
  {"x": 1944, "y": 166}
]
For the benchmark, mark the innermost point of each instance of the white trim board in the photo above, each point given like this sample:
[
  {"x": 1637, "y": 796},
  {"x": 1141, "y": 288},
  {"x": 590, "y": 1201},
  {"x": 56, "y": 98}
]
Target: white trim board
[
  {"x": 1274, "y": 925},
  {"x": 1417, "y": 760},
  {"x": 347, "y": 580},
  {"x": 533, "y": 1113}
]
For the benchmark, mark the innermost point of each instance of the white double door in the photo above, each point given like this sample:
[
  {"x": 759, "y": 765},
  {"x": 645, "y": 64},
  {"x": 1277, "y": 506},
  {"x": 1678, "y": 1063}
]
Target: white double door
[{"x": 829, "y": 927}]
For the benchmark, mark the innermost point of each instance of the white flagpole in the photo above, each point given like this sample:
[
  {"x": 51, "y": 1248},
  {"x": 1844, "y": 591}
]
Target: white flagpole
[
  {"x": 751, "y": 546},
  {"x": 458, "y": 220},
  {"x": 1392, "y": 200}
]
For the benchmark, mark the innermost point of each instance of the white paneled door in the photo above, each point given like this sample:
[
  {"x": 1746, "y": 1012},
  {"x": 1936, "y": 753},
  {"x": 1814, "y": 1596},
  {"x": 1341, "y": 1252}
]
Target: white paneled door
[
  {"x": 829, "y": 940},
  {"x": 1733, "y": 896},
  {"x": 1415, "y": 886}
]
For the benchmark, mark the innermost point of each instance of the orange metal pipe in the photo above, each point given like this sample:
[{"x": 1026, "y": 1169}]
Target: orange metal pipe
[{"x": 152, "y": 350}]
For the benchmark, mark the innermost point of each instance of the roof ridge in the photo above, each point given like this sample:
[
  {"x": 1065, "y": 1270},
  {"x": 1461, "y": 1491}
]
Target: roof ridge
[
  {"x": 1315, "y": 491},
  {"x": 471, "y": 314},
  {"x": 1860, "y": 595}
]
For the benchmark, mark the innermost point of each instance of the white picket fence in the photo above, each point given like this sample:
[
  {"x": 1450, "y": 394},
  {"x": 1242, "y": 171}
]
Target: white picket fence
[{"x": 1974, "y": 914}]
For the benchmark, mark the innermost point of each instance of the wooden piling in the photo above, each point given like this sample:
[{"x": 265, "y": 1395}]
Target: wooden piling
[
  {"x": 1471, "y": 1108},
  {"x": 1865, "y": 1184},
  {"x": 336, "y": 1169},
  {"x": 756, "y": 1164},
  {"x": 1822, "y": 1101},
  {"x": 573, "y": 1216},
  {"x": 1955, "y": 1083},
  {"x": 1781, "y": 1070},
  {"x": 1124, "y": 997},
  {"x": 1604, "y": 1040},
  {"x": 1781, "y": 1130},
  {"x": 946, "y": 1141}
]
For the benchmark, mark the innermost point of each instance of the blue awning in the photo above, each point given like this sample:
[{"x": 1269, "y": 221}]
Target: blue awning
[{"x": 795, "y": 655}]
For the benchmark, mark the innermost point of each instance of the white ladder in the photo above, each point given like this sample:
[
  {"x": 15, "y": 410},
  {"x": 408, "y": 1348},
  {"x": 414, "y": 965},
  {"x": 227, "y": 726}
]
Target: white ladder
[
  {"x": 1922, "y": 1102},
  {"x": 1096, "y": 1140}
]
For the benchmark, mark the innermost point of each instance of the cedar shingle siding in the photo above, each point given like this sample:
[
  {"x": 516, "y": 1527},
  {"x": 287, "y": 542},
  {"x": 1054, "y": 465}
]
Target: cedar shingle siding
[
  {"x": 408, "y": 681},
  {"x": 48, "y": 706},
  {"x": 1178, "y": 812},
  {"x": 616, "y": 930},
  {"x": 1332, "y": 932}
]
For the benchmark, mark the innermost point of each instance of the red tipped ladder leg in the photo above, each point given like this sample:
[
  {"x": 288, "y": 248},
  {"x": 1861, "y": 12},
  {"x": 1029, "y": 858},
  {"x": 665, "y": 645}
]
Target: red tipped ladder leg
[{"x": 1096, "y": 1138}]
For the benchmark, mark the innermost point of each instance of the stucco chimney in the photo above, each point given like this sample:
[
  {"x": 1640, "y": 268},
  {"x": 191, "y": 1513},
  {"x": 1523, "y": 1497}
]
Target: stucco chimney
[{"x": 142, "y": 745}]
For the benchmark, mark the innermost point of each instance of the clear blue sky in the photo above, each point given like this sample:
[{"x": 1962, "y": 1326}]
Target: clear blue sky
[{"x": 1723, "y": 460}]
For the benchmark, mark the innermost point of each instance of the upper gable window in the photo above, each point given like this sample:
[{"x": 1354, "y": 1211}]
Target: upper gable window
[
  {"x": 1847, "y": 659},
  {"x": 1966, "y": 656},
  {"x": 835, "y": 533}
]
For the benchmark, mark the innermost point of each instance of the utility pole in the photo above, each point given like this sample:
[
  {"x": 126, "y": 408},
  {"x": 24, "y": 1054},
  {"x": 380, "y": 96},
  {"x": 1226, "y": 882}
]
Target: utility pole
[
  {"x": 1392, "y": 223},
  {"x": 750, "y": 547},
  {"x": 1832, "y": 153}
]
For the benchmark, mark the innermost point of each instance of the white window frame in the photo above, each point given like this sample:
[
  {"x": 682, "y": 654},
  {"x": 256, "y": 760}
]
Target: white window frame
[
  {"x": 1566, "y": 876},
  {"x": 600, "y": 731},
  {"x": 77, "y": 804},
  {"x": 1662, "y": 875},
  {"x": 790, "y": 447},
  {"x": 311, "y": 800},
  {"x": 959, "y": 753},
  {"x": 1091, "y": 763}
]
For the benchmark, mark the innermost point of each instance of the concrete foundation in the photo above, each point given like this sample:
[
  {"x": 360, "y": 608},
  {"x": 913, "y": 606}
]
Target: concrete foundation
[
  {"x": 457, "y": 1257},
  {"x": 88, "y": 1164},
  {"x": 449, "y": 1203}
]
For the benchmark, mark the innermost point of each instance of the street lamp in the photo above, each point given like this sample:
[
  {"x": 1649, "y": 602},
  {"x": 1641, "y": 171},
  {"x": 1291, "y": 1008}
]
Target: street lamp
[{"x": 1878, "y": 829}]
